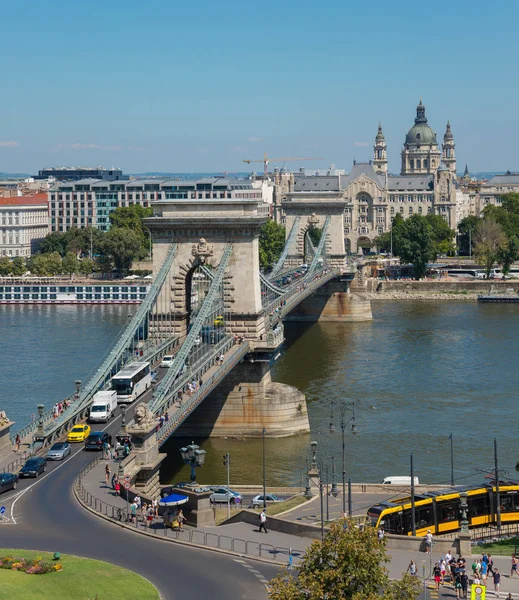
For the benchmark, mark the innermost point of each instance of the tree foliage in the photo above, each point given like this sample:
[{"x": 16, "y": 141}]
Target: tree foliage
[
  {"x": 271, "y": 243},
  {"x": 489, "y": 240},
  {"x": 130, "y": 217},
  {"x": 383, "y": 241},
  {"x": 349, "y": 564},
  {"x": 443, "y": 235},
  {"x": 508, "y": 253},
  {"x": 121, "y": 246},
  {"x": 413, "y": 242},
  {"x": 70, "y": 263},
  {"x": 466, "y": 228},
  {"x": 315, "y": 234}
]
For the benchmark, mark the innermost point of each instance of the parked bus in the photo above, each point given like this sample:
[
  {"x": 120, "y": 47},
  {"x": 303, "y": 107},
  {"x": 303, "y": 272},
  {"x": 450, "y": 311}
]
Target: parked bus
[
  {"x": 132, "y": 381},
  {"x": 440, "y": 512}
]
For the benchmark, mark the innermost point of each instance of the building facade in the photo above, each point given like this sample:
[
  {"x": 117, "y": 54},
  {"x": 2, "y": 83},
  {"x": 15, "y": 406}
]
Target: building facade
[
  {"x": 491, "y": 191},
  {"x": 24, "y": 222},
  {"x": 77, "y": 173},
  {"x": 426, "y": 185},
  {"x": 89, "y": 202}
]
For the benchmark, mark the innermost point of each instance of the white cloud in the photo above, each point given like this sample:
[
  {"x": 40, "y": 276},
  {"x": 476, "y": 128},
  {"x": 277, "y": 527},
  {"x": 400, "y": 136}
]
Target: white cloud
[
  {"x": 82, "y": 146},
  {"x": 254, "y": 139},
  {"x": 361, "y": 144},
  {"x": 9, "y": 144}
]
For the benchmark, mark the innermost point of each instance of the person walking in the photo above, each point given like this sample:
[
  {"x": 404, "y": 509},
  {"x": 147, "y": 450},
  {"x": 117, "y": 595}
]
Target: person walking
[
  {"x": 149, "y": 515},
  {"x": 133, "y": 511},
  {"x": 137, "y": 501},
  {"x": 464, "y": 579},
  {"x": 513, "y": 570},
  {"x": 483, "y": 572},
  {"x": 180, "y": 519},
  {"x": 428, "y": 541},
  {"x": 437, "y": 575},
  {"x": 411, "y": 569},
  {"x": 262, "y": 521},
  {"x": 117, "y": 487},
  {"x": 107, "y": 473},
  {"x": 17, "y": 442},
  {"x": 490, "y": 564},
  {"x": 497, "y": 580},
  {"x": 155, "y": 506},
  {"x": 380, "y": 534},
  {"x": 114, "y": 479}
]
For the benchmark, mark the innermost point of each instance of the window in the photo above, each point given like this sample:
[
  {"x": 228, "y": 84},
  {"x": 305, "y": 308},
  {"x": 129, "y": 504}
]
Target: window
[
  {"x": 424, "y": 517},
  {"x": 392, "y": 210},
  {"x": 478, "y": 505},
  {"x": 402, "y": 210},
  {"x": 419, "y": 210},
  {"x": 410, "y": 210},
  {"x": 448, "y": 511},
  {"x": 412, "y": 163},
  {"x": 418, "y": 163}
]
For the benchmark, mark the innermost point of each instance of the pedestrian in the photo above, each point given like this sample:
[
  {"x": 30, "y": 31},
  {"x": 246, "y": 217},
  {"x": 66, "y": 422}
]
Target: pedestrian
[
  {"x": 380, "y": 534},
  {"x": 497, "y": 580},
  {"x": 464, "y": 583},
  {"x": 437, "y": 575},
  {"x": 149, "y": 515},
  {"x": 457, "y": 585},
  {"x": 443, "y": 569},
  {"x": 17, "y": 442},
  {"x": 137, "y": 501},
  {"x": 117, "y": 488},
  {"x": 155, "y": 506},
  {"x": 180, "y": 519},
  {"x": 490, "y": 564},
  {"x": 411, "y": 569},
  {"x": 114, "y": 479},
  {"x": 513, "y": 570},
  {"x": 483, "y": 572},
  {"x": 262, "y": 521},
  {"x": 107, "y": 473},
  {"x": 133, "y": 511},
  {"x": 428, "y": 541}
]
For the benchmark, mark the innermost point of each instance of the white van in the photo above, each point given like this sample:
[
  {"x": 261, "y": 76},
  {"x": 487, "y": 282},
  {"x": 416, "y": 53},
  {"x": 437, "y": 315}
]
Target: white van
[
  {"x": 103, "y": 407},
  {"x": 399, "y": 480}
]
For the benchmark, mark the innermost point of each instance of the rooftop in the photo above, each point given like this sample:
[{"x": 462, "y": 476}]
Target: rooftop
[
  {"x": 35, "y": 200},
  {"x": 506, "y": 179}
]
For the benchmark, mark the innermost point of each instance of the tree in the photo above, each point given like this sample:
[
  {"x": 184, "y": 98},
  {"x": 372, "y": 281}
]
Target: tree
[
  {"x": 54, "y": 264},
  {"x": 466, "y": 228},
  {"x": 315, "y": 234},
  {"x": 443, "y": 235},
  {"x": 508, "y": 253},
  {"x": 271, "y": 243},
  {"x": 414, "y": 243},
  {"x": 383, "y": 241},
  {"x": 70, "y": 263},
  {"x": 130, "y": 217},
  {"x": 86, "y": 266},
  {"x": 54, "y": 242},
  {"x": 18, "y": 266},
  {"x": 38, "y": 265},
  {"x": 348, "y": 564},
  {"x": 123, "y": 246},
  {"x": 5, "y": 266},
  {"x": 489, "y": 239}
]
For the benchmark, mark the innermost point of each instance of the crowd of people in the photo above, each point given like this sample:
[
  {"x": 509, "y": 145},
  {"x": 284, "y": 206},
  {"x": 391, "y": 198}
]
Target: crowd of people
[{"x": 59, "y": 407}]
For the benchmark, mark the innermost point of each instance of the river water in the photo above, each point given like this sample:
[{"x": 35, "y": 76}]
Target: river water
[{"x": 418, "y": 372}]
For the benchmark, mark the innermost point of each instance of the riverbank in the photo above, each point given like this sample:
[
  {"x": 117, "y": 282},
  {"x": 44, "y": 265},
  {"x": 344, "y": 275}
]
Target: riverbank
[{"x": 435, "y": 289}]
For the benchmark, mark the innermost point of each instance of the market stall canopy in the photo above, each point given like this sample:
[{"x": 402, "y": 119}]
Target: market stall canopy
[{"x": 173, "y": 500}]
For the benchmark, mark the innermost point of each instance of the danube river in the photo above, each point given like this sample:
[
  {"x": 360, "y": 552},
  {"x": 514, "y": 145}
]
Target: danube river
[{"x": 417, "y": 373}]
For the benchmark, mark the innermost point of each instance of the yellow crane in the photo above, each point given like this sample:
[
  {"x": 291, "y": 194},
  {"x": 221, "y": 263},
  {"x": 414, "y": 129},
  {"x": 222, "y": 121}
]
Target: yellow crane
[{"x": 266, "y": 160}]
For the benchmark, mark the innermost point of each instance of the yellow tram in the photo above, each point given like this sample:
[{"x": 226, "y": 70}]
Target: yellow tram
[{"x": 439, "y": 511}]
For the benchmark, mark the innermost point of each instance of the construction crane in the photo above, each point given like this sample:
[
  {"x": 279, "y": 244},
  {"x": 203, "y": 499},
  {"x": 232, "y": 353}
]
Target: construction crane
[{"x": 266, "y": 160}]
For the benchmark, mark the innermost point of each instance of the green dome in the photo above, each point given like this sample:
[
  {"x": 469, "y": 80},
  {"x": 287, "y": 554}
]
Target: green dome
[{"x": 421, "y": 134}]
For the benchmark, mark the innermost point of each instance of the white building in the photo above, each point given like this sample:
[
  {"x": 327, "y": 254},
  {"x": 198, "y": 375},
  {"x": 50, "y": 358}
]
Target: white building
[
  {"x": 491, "y": 191},
  {"x": 24, "y": 222}
]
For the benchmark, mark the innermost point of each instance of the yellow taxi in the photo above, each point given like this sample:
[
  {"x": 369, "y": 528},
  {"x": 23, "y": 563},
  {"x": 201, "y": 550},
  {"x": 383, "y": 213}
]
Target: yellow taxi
[
  {"x": 219, "y": 321},
  {"x": 79, "y": 433}
]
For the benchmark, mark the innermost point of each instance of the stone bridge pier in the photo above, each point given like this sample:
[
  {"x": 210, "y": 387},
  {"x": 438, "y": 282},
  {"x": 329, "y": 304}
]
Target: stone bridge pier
[{"x": 247, "y": 400}]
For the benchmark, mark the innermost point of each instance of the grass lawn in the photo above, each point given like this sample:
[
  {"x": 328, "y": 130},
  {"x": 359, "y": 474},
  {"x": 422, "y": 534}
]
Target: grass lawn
[
  {"x": 503, "y": 547},
  {"x": 80, "y": 579}
]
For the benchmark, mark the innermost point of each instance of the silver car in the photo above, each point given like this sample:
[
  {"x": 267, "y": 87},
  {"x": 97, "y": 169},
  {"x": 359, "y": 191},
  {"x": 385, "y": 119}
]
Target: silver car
[
  {"x": 225, "y": 495},
  {"x": 59, "y": 451}
]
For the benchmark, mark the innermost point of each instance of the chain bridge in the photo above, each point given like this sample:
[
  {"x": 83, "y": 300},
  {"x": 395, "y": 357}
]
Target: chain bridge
[{"x": 212, "y": 308}]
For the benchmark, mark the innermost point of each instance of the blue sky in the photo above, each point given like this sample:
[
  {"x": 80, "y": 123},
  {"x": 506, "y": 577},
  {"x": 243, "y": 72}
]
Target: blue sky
[{"x": 198, "y": 86}]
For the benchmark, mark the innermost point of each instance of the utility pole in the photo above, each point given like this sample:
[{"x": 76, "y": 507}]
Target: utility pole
[
  {"x": 227, "y": 463},
  {"x": 413, "y": 509},
  {"x": 452, "y": 460},
  {"x": 498, "y": 497},
  {"x": 264, "y": 472},
  {"x": 350, "y": 508}
]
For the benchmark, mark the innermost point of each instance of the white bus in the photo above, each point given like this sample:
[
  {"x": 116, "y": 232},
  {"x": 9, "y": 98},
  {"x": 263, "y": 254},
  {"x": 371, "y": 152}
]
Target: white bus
[{"x": 132, "y": 381}]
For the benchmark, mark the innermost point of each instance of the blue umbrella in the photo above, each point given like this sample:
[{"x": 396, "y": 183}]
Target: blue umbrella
[{"x": 173, "y": 500}]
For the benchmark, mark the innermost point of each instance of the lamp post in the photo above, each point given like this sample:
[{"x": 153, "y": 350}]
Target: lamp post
[
  {"x": 263, "y": 432},
  {"x": 452, "y": 459},
  {"x": 121, "y": 435},
  {"x": 464, "y": 522},
  {"x": 344, "y": 407},
  {"x": 39, "y": 431},
  {"x": 78, "y": 387},
  {"x": 320, "y": 466},
  {"x": 194, "y": 457}
]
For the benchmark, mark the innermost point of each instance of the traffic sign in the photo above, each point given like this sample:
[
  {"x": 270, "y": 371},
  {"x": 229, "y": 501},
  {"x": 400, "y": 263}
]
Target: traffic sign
[
  {"x": 127, "y": 485},
  {"x": 127, "y": 478},
  {"x": 478, "y": 592},
  {"x": 2, "y": 510}
]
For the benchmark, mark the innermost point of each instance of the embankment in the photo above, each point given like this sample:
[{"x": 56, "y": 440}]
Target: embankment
[{"x": 436, "y": 289}]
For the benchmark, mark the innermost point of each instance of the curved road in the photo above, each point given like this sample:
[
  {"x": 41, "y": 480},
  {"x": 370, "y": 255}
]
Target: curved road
[{"x": 48, "y": 517}]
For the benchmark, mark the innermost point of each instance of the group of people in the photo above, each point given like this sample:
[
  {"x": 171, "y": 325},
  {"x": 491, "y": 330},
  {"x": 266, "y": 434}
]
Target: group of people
[
  {"x": 456, "y": 570},
  {"x": 59, "y": 407},
  {"x": 161, "y": 419},
  {"x": 147, "y": 512}
]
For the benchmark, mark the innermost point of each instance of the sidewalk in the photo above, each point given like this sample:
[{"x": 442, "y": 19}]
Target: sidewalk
[{"x": 277, "y": 543}]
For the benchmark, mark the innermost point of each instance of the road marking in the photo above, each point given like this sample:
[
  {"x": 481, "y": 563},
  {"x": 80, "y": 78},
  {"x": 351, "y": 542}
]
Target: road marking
[{"x": 254, "y": 571}]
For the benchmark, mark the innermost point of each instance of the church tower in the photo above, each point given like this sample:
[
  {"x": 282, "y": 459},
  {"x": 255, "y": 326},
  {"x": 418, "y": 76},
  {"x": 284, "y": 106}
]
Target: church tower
[
  {"x": 380, "y": 152},
  {"x": 420, "y": 154},
  {"x": 448, "y": 153}
]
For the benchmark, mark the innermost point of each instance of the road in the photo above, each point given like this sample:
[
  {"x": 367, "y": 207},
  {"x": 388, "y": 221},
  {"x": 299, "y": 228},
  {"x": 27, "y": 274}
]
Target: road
[{"x": 44, "y": 515}]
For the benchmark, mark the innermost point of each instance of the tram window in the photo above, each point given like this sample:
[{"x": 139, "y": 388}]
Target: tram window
[
  {"x": 479, "y": 506},
  {"x": 394, "y": 524},
  {"x": 448, "y": 511},
  {"x": 509, "y": 503},
  {"x": 424, "y": 517}
]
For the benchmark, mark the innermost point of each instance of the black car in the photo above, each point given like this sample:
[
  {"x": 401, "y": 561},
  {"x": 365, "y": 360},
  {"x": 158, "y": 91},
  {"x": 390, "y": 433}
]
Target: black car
[
  {"x": 33, "y": 467},
  {"x": 96, "y": 440},
  {"x": 8, "y": 481}
]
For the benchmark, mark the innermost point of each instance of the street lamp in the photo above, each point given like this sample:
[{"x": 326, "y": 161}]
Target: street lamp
[
  {"x": 78, "y": 387},
  {"x": 321, "y": 466},
  {"x": 344, "y": 407},
  {"x": 264, "y": 431},
  {"x": 194, "y": 457}
]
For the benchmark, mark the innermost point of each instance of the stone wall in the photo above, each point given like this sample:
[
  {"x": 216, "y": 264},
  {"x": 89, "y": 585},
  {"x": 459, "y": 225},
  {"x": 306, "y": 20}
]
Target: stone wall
[{"x": 246, "y": 402}]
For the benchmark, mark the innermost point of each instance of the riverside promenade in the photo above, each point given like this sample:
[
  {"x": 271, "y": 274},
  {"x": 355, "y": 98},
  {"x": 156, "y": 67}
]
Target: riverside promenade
[{"x": 274, "y": 545}]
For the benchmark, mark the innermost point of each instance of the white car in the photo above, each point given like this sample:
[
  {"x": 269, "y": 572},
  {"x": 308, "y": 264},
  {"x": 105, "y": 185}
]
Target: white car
[
  {"x": 257, "y": 501},
  {"x": 167, "y": 361},
  {"x": 198, "y": 340}
]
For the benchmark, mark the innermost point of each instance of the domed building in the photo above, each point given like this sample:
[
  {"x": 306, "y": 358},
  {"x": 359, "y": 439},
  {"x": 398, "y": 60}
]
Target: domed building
[{"x": 420, "y": 154}]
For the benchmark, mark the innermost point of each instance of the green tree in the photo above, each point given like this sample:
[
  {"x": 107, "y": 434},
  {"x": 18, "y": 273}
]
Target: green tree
[
  {"x": 70, "y": 263},
  {"x": 414, "y": 243},
  {"x": 130, "y": 217},
  {"x": 383, "y": 241},
  {"x": 349, "y": 564},
  {"x": 508, "y": 253},
  {"x": 315, "y": 234},
  {"x": 466, "y": 228},
  {"x": 271, "y": 243},
  {"x": 86, "y": 266},
  {"x": 123, "y": 246},
  {"x": 18, "y": 266},
  {"x": 5, "y": 266},
  {"x": 54, "y": 242},
  {"x": 38, "y": 265},
  {"x": 443, "y": 235},
  {"x": 489, "y": 239},
  {"x": 54, "y": 263}
]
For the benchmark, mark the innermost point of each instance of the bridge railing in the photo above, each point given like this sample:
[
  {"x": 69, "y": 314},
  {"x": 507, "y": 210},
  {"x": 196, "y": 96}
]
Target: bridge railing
[{"x": 209, "y": 539}]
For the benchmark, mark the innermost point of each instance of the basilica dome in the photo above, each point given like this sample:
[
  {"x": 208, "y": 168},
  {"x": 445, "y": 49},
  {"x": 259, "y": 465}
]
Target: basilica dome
[{"x": 420, "y": 133}]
